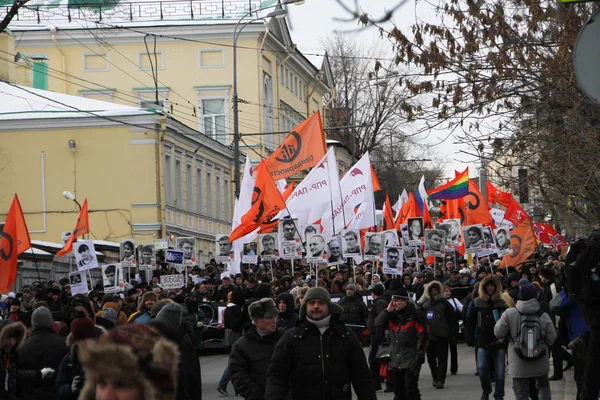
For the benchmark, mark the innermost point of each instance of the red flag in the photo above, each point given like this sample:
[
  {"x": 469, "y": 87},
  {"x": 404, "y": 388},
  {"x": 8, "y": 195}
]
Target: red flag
[
  {"x": 522, "y": 240},
  {"x": 14, "y": 240},
  {"x": 376, "y": 185},
  {"x": 494, "y": 195},
  {"x": 288, "y": 190},
  {"x": 267, "y": 202},
  {"x": 515, "y": 213},
  {"x": 547, "y": 235},
  {"x": 388, "y": 219},
  {"x": 81, "y": 227}
]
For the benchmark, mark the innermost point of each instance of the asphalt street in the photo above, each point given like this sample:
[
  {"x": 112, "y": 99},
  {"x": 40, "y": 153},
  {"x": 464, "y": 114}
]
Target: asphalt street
[{"x": 463, "y": 386}]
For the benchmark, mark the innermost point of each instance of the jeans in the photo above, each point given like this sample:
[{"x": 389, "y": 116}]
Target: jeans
[
  {"x": 437, "y": 358},
  {"x": 521, "y": 388},
  {"x": 224, "y": 378},
  {"x": 591, "y": 384},
  {"x": 373, "y": 364},
  {"x": 406, "y": 385},
  {"x": 483, "y": 358}
]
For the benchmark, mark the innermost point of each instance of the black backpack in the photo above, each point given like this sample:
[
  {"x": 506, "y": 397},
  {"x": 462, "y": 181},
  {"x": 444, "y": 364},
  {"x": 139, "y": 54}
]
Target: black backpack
[
  {"x": 583, "y": 270},
  {"x": 530, "y": 344}
]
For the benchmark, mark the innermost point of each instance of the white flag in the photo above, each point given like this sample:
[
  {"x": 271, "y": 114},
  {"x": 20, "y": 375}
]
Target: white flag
[
  {"x": 364, "y": 217},
  {"x": 403, "y": 198}
]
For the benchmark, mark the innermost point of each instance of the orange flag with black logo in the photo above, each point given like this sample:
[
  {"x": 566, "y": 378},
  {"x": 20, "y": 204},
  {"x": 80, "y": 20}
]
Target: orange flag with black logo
[
  {"x": 267, "y": 202},
  {"x": 81, "y": 227},
  {"x": 475, "y": 209},
  {"x": 523, "y": 243},
  {"x": 303, "y": 148},
  {"x": 388, "y": 216},
  {"x": 14, "y": 240}
]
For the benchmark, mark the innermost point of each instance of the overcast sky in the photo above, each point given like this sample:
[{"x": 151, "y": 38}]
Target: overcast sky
[{"x": 314, "y": 20}]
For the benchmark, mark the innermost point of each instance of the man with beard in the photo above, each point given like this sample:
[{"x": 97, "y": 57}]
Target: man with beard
[{"x": 322, "y": 351}]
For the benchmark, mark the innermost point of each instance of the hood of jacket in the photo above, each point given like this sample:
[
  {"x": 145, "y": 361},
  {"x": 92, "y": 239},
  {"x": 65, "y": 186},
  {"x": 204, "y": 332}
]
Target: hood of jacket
[
  {"x": 431, "y": 285},
  {"x": 15, "y": 329},
  {"x": 483, "y": 293},
  {"x": 289, "y": 302},
  {"x": 510, "y": 303},
  {"x": 238, "y": 297},
  {"x": 262, "y": 291},
  {"x": 528, "y": 306}
]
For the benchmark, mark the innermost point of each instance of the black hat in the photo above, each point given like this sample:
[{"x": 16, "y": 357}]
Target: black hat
[
  {"x": 481, "y": 270},
  {"x": 377, "y": 290},
  {"x": 547, "y": 272},
  {"x": 454, "y": 271},
  {"x": 400, "y": 293},
  {"x": 131, "y": 292}
]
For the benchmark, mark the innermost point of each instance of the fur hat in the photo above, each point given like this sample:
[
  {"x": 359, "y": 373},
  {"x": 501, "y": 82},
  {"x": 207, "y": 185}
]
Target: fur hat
[
  {"x": 41, "y": 318},
  {"x": 135, "y": 355},
  {"x": 156, "y": 308},
  {"x": 263, "y": 308},
  {"x": 170, "y": 314}
]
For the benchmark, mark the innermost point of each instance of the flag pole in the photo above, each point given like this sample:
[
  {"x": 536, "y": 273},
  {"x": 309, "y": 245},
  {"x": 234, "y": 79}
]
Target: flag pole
[
  {"x": 296, "y": 228},
  {"x": 292, "y": 268}
]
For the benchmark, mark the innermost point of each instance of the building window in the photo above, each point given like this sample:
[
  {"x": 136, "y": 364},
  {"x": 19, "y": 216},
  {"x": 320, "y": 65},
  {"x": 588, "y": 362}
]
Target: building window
[
  {"x": 268, "y": 111},
  {"x": 218, "y": 196},
  {"x": 168, "y": 180},
  {"x": 40, "y": 75},
  {"x": 287, "y": 78},
  {"x": 281, "y": 75},
  {"x": 178, "y": 194},
  {"x": 209, "y": 204},
  {"x": 102, "y": 95},
  {"x": 296, "y": 86},
  {"x": 214, "y": 58},
  {"x": 148, "y": 61},
  {"x": 146, "y": 98},
  {"x": 189, "y": 188},
  {"x": 95, "y": 62},
  {"x": 199, "y": 192},
  {"x": 214, "y": 113},
  {"x": 227, "y": 200}
]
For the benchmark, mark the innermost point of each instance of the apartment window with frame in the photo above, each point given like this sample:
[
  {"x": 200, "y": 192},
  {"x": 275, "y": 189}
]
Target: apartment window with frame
[
  {"x": 268, "y": 111},
  {"x": 178, "y": 193},
  {"x": 199, "y": 192},
  {"x": 214, "y": 116},
  {"x": 209, "y": 204},
  {"x": 218, "y": 196},
  {"x": 189, "y": 188},
  {"x": 296, "y": 86},
  {"x": 168, "y": 180},
  {"x": 287, "y": 78},
  {"x": 282, "y": 75}
]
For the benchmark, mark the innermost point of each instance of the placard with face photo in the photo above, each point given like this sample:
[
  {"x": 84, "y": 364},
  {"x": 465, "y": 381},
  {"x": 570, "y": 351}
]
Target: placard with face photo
[
  {"x": 502, "y": 241},
  {"x": 127, "y": 253},
  {"x": 410, "y": 254},
  {"x": 415, "y": 231},
  {"x": 435, "y": 242},
  {"x": 351, "y": 243},
  {"x": 404, "y": 232},
  {"x": 112, "y": 277},
  {"x": 85, "y": 255},
  {"x": 269, "y": 249},
  {"x": 145, "y": 274},
  {"x": 473, "y": 238},
  {"x": 223, "y": 249},
  {"x": 391, "y": 238},
  {"x": 188, "y": 246},
  {"x": 250, "y": 253},
  {"x": 147, "y": 255},
  {"x": 316, "y": 248},
  {"x": 78, "y": 282},
  {"x": 334, "y": 251},
  {"x": 287, "y": 233},
  {"x": 310, "y": 230},
  {"x": 446, "y": 228},
  {"x": 374, "y": 242},
  {"x": 455, "y": 236},
  {"x": 488, "y": 240},
  {"x": 393, "y": 260},
  {"x": 289, "y": 249}
]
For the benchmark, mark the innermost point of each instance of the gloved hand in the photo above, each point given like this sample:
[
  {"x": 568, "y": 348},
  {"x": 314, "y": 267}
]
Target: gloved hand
[
  {"x": 199, "y": 324},
  {"x": 77, "y": 384},
  {"x": 47, "y": 372}
]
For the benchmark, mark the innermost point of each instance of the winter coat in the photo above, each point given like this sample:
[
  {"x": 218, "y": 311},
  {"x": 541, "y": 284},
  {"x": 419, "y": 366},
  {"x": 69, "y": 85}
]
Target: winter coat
[
  {"x": 408, "y": 336},
  {"x": 480, "y": 322},
  {"x": 508, "y": 327},
  {"x": 287, "y": 319},
  {"x": 189, "y": 322},
  {"x": 443, "y": 323},
  {"x": 70, "y": 367},
  {"x": 222, "y": 292},
  {"x": 355, "y": 310},
  {"x": 379, "y": 306},
  {"x": 17, "y": 377},
  {"x": 43, "y": 349},
  {"x": 139, "y": 317},
  {"x": 319, "y": 367},
  {"x": 572, "y": 312},
  {"x": 248, "y": 362}
]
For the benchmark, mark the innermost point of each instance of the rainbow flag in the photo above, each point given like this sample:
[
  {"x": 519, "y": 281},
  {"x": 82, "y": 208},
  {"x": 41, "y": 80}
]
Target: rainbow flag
[{"x": 455, "y": 189}]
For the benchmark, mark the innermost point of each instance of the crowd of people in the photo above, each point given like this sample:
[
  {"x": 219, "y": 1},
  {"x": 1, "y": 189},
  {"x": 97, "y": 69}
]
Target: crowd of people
[{"x": 286, "y": 326}]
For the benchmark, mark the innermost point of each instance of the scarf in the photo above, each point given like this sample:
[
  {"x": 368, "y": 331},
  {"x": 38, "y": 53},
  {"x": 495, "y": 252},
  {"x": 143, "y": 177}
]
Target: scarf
[{"x": 322, "y": 325}]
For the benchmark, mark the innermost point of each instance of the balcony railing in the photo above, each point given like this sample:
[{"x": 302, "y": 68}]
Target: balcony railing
[{"x": 111, "y": 11}]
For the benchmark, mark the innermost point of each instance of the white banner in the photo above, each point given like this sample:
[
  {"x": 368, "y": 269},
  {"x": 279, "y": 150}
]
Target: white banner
[{"x": 172, "y": 281}]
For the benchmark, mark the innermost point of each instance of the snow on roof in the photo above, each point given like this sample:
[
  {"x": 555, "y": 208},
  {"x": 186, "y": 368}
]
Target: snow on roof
[
  {"x": 15, "y": 101},
  {"x": 36, "y": 252},
  {"x": 53, "y": 245},
  {"x": 106, "y": 243}
]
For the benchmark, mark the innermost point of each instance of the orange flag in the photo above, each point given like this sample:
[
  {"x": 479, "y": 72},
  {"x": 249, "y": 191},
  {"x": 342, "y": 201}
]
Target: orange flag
[
  {"x": 288, "y": 190},
  {"x": 81, "y": 227},
  {"x": 523, "y": 242},
  {"x": 449, "y": 209},
  {"x": 475, "y": 208},
  {"x": 267, "y": 202},
  {"x": 303, "y": 148},
  {"x": 410, "y": 209},
  {"x": 14, "y": 240},
  {"x": 497, "y": 196},
  {"x": 388, "y": 216},
  {"x": 376, "y": 185}
]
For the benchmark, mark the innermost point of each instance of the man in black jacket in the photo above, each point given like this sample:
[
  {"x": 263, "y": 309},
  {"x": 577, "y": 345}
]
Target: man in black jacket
[
  {"x": 380, "y": 303},
  {"x": 43, "y": 349},
  {"x": 442, "y": 321},
  {"x": 250, "y": 355},
  {"x": 321, "y": 357},
  {"x": 482, "y": 315},
  {"x": 408, "y": 339}
]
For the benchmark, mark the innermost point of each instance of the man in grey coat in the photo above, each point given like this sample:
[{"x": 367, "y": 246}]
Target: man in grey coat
[{"x": 520, "y": 369}]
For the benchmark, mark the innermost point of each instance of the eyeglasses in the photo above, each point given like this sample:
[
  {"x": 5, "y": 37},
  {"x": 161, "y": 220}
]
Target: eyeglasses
[{"x": 396, "y": 297}]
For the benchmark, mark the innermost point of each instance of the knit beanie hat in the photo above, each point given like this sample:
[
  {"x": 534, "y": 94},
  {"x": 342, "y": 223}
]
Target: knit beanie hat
[
  {"x": 523, "y": 281},
  {"x": 41, "y": 318},
  {"x": 527, "y": 292},
  {"x": 109, "y": 314},
  {"x": 156, "y": 308},
  {"x": 83, "y": 328},
  {"x": 170, "y": 314},
  {"x": 317, "y": 293},
  {"x": 351, "y": 286},
  {"x": 401, "y": 293}
]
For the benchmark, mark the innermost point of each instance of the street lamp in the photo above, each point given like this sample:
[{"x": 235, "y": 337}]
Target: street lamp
[
  {"x": 278, "y": 13},
  {"x": 70, "y": 196}
]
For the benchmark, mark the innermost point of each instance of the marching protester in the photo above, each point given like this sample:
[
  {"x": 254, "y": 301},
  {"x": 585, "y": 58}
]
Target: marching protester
[
  {"x": 453, "y": 342},
  {"x": 354, "y": 310},
  {"x": 380, "y": 303},
  {"x": 287, "y": 316},
  {"x": 319, "y": 350}
]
